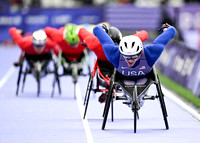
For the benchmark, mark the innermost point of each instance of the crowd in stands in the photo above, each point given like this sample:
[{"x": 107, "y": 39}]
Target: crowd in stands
[{"x": 76, "y": 3}]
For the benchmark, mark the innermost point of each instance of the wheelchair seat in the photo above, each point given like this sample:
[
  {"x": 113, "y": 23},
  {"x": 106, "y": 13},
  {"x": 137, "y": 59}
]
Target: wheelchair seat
[
  {"x": 38, "y": 64},
  {"x": 134, "y": 91}
]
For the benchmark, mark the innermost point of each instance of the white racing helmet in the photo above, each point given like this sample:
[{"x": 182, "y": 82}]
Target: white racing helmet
[
  {"x": 39, "y": 38},
  {"x": 130, "y": 46}
]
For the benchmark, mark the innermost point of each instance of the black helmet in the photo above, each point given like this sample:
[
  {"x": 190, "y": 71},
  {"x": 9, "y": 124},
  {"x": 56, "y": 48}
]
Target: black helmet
[{"x": 115, "y": 34}]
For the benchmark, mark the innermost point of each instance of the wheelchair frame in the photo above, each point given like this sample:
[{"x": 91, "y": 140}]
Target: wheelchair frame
[
  {"x": 36, "y": 73},
  {"x": 136, "y": 93},
  {"x": 99, "y": 68}
]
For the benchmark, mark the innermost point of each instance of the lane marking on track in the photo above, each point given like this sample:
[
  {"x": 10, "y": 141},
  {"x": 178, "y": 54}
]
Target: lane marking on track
[
  {"x": 85, "y": 121},
  {"x": 173, "y": 97},
  {"x": 7, "y": 76}
]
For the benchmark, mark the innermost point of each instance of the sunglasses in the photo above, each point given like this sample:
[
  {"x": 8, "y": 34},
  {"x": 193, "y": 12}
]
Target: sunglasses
[{"x": 130, "y": 57}]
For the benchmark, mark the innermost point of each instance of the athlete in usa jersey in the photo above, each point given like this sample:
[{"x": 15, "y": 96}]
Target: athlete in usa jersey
[{"x": 131, "y": 58}]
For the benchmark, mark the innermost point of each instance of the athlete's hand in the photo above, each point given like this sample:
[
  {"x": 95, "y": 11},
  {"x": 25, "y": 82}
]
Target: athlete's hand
[
  {"x": 105, "y": 28},
  {"x": 83, "y": 43},
  {"x": 164, "y": 27},
  {"x": 20, "y": 31}
]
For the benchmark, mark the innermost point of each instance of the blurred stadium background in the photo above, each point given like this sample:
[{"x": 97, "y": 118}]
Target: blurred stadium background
[{"x": 181, "y": 58}]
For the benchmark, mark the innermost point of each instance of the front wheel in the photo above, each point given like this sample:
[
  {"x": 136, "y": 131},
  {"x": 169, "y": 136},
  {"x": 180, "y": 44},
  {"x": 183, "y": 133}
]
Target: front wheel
[
  {"x": 135, "y": 108},
  {"x": 38, "y": 82}
]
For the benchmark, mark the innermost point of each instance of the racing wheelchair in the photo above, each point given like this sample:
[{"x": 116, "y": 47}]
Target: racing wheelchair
[
  {"x": 134, "y": 95},
  {"x": 73, "y": 68},
  {"x": 103, "y": 71},
  {"x": 38, "y": 67}
]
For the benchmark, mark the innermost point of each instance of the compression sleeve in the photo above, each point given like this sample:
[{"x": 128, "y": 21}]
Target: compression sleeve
[{"x": 111, "y": 50}]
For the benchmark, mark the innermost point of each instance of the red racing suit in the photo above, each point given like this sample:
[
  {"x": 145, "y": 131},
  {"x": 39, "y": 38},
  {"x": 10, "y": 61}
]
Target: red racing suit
[
  {"x": 25, "y": 43},
  {"x": 71, "y": 53}
]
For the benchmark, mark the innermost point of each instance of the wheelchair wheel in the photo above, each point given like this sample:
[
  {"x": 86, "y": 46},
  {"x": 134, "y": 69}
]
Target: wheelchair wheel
[
  {"x": 53, "y": 87},
  {"x": 88, "y": 88},
  {"x": 24, "y": 80},
  {"x": 56, "y": 79},
  {"x": 19, "y": 76},
  {"x": 38, "y": 83},
  {"x": 87, "y": 94},
  {"x": 38, "y": 92},
  {"x": 135, "y": 108},
  {"x": 112, "y": 106},
  {"x": 57, "y": 76},
  {"x": 75, "y": 77},
  {"x": 75, "y": 72},
  {"x": 107, "y": 104},
  {"x": 162, "y": 104},
  {"x": 74, "y": 90}
]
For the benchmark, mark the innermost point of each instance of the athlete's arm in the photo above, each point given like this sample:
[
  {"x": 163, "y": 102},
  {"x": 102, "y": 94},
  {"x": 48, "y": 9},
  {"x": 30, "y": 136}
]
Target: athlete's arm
[
  {"x": 154, "y": 51},
  {"x": 88, "y": 38},
  {"x": 92, "y": 43},
  {"x": 17, "y": 37},
  {"x": 22, "y": 42},
  {"x": 111, "y": 50}
]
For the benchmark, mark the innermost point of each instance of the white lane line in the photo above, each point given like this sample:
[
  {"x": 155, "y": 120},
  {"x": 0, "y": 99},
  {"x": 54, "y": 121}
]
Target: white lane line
[
  {"x": 7, "y": 76},
  {"x": 189, "y": 109},
  {"x": 85, "y": 121}
]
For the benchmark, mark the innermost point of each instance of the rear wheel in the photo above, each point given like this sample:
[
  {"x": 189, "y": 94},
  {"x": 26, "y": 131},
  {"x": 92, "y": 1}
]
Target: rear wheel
[
  {"x": 107, "y": 104},
  {"x": 162, "y": 104},
  {"x": 87, "y": 95}
]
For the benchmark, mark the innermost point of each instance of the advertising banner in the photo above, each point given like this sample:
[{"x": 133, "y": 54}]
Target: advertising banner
[
  {"x": 131, "y": 17},
  {"x": 182, "y": 65},
  {"x": 36, "y": 18},
  {"x": 188, "y": 20}
]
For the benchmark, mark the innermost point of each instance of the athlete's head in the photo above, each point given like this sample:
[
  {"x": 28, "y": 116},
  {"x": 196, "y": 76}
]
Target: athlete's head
[
  {"x": 39, "y": 40},
  {"x": 131, "y": 47},
  {"x": 115, "y": 34},
  {"x": 70, "y": 35}
]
